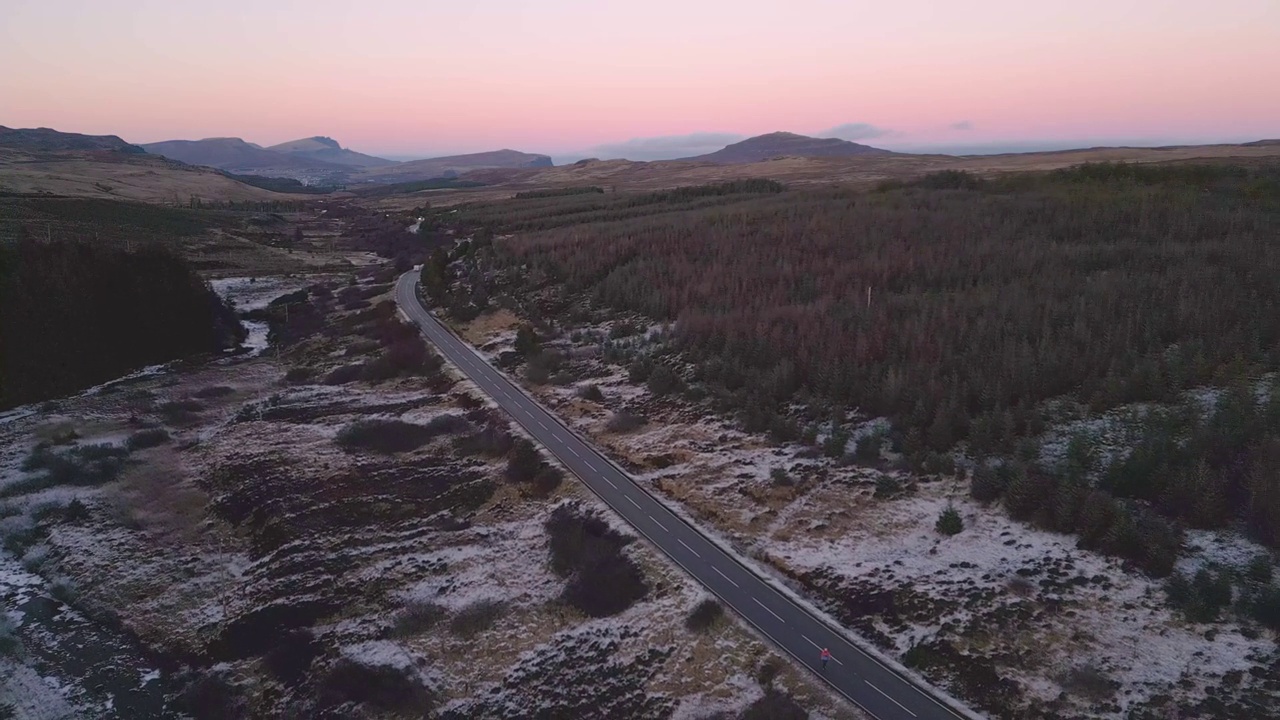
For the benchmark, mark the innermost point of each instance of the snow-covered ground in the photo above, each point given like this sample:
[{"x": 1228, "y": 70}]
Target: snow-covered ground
[
  {"x": 1009, "y": 601},
  {"x": 252, "y": 505}
]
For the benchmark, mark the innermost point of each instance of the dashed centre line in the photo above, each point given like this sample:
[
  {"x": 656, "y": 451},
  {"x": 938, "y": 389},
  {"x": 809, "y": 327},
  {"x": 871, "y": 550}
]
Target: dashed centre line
[
  {"x": 686, "y": 547},
  {"x": 633, "y": 502},
  {"x": 726, "y": 577},
  {"x": 767, "y": 607},
  {"x": 659, "y": 524},
  {"x": 895, "y": 702}
]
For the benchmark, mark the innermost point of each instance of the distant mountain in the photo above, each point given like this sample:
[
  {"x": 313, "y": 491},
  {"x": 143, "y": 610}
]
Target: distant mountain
[
  {"x": 48, "y": 140},
  {"x": 236, "y": 155},
  {"x": 780, "y": 144},
  {"x": 326, "y": 149},
  {"x": 1262, "y": 143},
  {"x": 451, "y": 166}
]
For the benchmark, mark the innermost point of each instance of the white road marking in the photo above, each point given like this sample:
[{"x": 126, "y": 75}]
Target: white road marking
[
  {"x": 664, "y": 527},
  {"x": 686, "y": 547},
  {"x": 726, "y": 577},
  {"x": 895, "y": 702},
  {"x": 615, "y": 487},
  {"x": 593, "y": 467},
  {"x": 766, "y": 607},
  {"x": 544, "y": 427},
  {"x": 806, "y": 639},
  {"x": 633, "y": 502},
  {"x": 575, "y": 452}
]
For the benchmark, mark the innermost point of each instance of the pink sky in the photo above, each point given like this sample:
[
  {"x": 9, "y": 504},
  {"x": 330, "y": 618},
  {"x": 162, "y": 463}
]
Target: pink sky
[{"x": 562, "y": 76}]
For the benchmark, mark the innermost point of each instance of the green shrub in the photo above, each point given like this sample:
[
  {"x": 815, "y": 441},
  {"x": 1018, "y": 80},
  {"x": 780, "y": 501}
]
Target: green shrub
[
  {"x": 949, "y": 522},
  {"x": 383, "y": 436},
  {"x": 704, "y": 615},
  {"x": 416, "y": 618},
  {"x": 591, "y": 392},
  {"x": 476, "y": 617},
  {"x": 147, "y": 439}
]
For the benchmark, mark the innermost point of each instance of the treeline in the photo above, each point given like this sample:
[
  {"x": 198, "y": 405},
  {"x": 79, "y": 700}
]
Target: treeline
[
  {"x": 956, "y": 306},
  {"x": 555, "y": 211},
  {"x": 70, "y": 218},
  {"x": 954, "y": 313},
  {"x": 282, "y": 185},
  {"x": 559, "y": 192},
  {"x": 74, "y": 315}
]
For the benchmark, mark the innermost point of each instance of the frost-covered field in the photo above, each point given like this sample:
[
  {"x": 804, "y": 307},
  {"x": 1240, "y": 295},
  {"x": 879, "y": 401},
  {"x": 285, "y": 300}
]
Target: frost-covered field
[
  {"x": 1014, "y": 620},
  {"x": 267, "y": 569}
]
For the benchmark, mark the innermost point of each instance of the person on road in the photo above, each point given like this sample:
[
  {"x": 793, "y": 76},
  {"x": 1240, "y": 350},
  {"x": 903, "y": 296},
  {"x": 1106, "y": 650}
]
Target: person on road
[{"x": 826, "y": 656}]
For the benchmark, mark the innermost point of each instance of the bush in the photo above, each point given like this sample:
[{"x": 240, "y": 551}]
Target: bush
[
  {"x": 147, "y": 439},
  {"x": 601, "y": 580},
  {"x": 605, "y": 587},
  {"x": 490, "y": 441},
  {"x": 624, "y": 421},
  {"x": 1202, "y": 597},
  {"x": 300, "y": 375},
  {"x": 476, "y": 618},
  {"x": 1260, "y": 570},
  {"x": 774, "y": 705},
  {"x": 868, "y": 449},
  {"x": 212, "y": 697},
  {"x": 448, "y": 424},
  {"x": 213, "y": 391},
  {"x": 384, "y": 687},
  {"x": 1089, "y": 682},
  {"x": 780, "y": 477},
  {"x": 578, "y": 538},
  {"x": 835, "y": 443},
  {"x": 887, "y": 486},
  {"x": 344, "y": 374},
  {"x": 591, "y": 392},
  {"x": 180, "y": 412},
  {"x": 87, "y": 465},
  {"x": 949, "y": 522},
  {"x": 523, "y": 463},
  {"x": 546, "y": 481},
  {"x": 383, "y": 436},
  {"x": 767, "y": 671},
  {"x": 416, "y": 618},
  {"x": 704, "y": 615},
  {"x": 663, "y": 381},
  {"x": 639, "y": 370},
  {"x": 291, "y": 656},
  {"x": 985, "y": 485},
  {"x": 10, "y": 645}
]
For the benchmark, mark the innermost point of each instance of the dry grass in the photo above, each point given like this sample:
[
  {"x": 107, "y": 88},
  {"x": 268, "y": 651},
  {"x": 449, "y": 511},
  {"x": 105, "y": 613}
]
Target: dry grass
[
  {"x": 628, "y": 175},
  {"x": 488, "y": 326},
  {"x": 145, "y": 178}
]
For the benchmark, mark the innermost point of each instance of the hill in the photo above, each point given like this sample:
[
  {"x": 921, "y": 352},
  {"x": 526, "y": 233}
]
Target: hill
[
  {"x": 41, "y": 161},
  {"x": 452, "y": 165},
  {"x": 326, "y": 149},
  {"x": 236, "y": 155},
  {"x": 785, "y": 144},
  {"x": 49, "y": 140}
]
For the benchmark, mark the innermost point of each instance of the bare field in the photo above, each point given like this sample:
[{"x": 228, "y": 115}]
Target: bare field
[
  {"x": 1006, "y": 616},
  {"x": 627, "y": 175},
  {"x": 145, "y": 178}
]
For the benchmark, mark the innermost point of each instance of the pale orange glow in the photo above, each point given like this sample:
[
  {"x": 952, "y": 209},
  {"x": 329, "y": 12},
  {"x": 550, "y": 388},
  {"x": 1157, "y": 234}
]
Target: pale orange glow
[{"x": 565, "y": 75}]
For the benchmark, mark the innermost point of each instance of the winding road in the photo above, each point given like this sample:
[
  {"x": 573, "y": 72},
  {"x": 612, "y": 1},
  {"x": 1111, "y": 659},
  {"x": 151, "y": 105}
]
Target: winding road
[{"x": 878, "y": 690}]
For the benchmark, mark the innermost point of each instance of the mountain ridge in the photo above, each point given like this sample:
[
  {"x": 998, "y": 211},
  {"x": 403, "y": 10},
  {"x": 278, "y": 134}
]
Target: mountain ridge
[
  {"x": 325, "y": 149},
  {"x": 49, "y": 140},
  {"x": 785, "y": 144}
]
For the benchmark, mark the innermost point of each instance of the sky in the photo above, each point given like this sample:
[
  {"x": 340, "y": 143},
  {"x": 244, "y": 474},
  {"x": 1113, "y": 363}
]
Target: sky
[{"x": 645, "y": 80}]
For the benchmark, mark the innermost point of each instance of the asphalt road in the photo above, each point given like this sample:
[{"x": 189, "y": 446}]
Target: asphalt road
[{"x": 875, "y": 688}]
